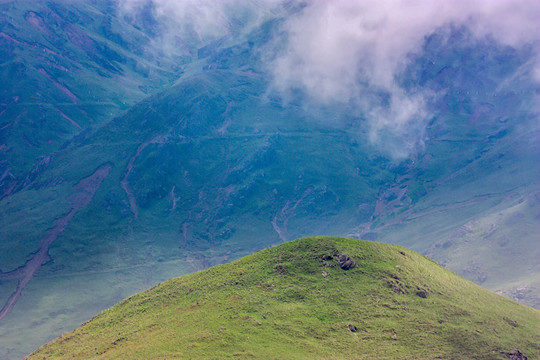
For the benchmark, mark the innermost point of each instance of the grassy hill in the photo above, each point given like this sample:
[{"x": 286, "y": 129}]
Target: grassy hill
[{"x": 294, "y": 301}]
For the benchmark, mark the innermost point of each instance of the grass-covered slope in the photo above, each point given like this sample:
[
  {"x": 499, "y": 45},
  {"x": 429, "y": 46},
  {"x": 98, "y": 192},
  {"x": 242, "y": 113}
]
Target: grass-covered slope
[{"x": 284, "y": 303}]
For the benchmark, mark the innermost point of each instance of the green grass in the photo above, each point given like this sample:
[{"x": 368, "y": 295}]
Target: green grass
[{"x": 276, "y": 304}]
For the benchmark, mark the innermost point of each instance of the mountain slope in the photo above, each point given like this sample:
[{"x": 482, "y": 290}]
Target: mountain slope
[
  {"x": 216, "y": 165},
  {"x": 65, "y": 67},
  {"x": 289, "y": 302}
]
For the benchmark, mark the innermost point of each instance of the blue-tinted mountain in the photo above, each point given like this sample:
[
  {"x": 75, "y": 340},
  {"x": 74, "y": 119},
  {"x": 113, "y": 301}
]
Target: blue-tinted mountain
[{"x": 122, "y": 167}]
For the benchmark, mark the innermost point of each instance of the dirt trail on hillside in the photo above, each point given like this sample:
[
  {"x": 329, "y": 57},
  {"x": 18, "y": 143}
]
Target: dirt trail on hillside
[
  {"x": 281, "y": 220},
  {"x": 124, "y": 183},
  {"x": 60, "y": 87},
  {"x": 82, "y": 195}
]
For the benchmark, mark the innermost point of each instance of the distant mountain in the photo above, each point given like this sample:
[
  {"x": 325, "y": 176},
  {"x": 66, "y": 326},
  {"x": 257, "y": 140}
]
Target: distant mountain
[
  {"x": 320, "y": 297},
  {"x": 66, "y": 67},
  {"x": 123, "y": 165}
]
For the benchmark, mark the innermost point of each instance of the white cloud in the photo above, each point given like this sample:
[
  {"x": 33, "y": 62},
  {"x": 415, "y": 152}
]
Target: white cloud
[
  {"x": 344, "y": 51},
  {"x": 349, "y": 51},
  {"x": 205, "y": 20}
]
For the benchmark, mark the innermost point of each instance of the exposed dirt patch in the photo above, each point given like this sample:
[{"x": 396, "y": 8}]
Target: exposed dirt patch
[
  {"x": 36, "y": 21},
  {"x": 281, "y": 220},
  {"x": 73, "y": 122},
  {"x": 125, "y": 183},
  {"x": 60, "y": 87},
  {"x": 82, "y": 194}
]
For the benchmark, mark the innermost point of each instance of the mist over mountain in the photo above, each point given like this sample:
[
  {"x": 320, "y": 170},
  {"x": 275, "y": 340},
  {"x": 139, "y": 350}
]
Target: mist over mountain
[{"x": 141, "y": 140}]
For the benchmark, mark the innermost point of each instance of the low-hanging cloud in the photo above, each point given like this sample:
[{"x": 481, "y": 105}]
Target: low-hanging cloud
[
  {"x": 345, "y": 51},
  {"x": 200, "y": 21},
  {"x": 349, "y": 51}
]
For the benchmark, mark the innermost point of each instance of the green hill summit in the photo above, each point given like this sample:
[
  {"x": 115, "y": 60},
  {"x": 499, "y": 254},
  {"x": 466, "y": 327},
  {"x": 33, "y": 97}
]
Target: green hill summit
[{"x": 318, "y": 298}]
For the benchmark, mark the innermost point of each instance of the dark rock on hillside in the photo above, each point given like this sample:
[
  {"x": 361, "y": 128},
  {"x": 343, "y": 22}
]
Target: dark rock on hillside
[
  {"x": 280, "y": 269},
  {"x": 397, "y": 286},
  {"x": 515, "y": 355},
  {"x": 345, "y": 262},
  {"x": 324, "y": 259},
  {"x": 352, "y": 328},
  {"x": 422, "y": 293}
]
